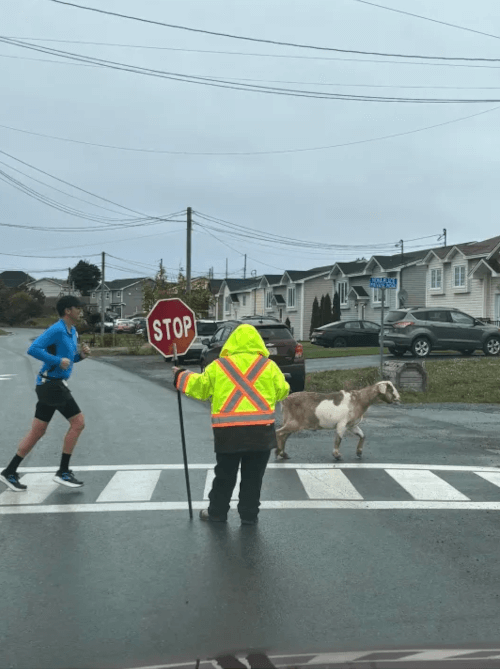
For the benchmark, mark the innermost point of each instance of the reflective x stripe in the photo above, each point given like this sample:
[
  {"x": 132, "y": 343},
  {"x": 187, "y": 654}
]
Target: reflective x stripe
[
  {"x": 244, "y": 387},
  {"x": 182, "y": 380}
]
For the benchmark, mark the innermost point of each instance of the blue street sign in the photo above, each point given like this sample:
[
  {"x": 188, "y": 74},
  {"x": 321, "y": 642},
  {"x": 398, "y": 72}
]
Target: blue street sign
[{"x": 383, "y": 282}]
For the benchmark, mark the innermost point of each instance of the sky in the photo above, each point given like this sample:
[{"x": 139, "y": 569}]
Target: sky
[{"x": 257, "y": 161}]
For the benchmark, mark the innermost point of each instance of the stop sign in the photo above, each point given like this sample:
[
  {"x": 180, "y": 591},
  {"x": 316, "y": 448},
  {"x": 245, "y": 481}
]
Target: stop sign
[{"x": 171, "y": 322}]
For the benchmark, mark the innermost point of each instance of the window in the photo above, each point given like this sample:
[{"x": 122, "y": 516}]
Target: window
[
  {"x": 93, "y": 294},
  {"x": 461, "y": 319},
  {"x": 459, "y": 276},
  {"x": 244, "y": 300},
  {"x": 436, "y": 279},
  {"x": 107, "y": 296},
  {"x": 352, "y": 325},
  {"x": 269, "y": 299},
  {"x": 342, "y": 290},
  {"x": 228, "y": 304},
  {"x": 439, "y": 316},
  {"x": 377, "y": 296},
  {"x": 290, "y": 297}
]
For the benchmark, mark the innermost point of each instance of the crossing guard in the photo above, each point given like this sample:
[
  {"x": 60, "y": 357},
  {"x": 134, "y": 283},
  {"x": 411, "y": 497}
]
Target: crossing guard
[{"x": 244, "y": 386}]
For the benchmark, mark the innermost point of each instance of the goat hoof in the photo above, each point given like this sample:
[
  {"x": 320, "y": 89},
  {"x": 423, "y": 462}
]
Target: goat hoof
[{"x": 359, "y": 455}]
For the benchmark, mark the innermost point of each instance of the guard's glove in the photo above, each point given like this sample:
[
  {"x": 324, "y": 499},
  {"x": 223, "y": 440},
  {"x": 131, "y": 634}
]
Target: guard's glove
[{"x": 176, "y": 375}]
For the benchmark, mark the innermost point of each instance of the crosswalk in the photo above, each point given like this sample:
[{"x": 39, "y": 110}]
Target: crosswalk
[{"x": 285, "y": 486}]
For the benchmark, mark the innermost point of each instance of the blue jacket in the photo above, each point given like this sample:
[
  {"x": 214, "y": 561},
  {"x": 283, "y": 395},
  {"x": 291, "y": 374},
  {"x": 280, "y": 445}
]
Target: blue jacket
[{"x": 51, "y": 347}]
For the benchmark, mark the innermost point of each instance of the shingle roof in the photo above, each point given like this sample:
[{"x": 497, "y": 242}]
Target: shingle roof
[
  {"x": 272, "y": 278},
  {"x": 118, "y": 284},
  {"x": 14, "y": 278},
  {"x": 478, "y": 248},
  {"x": 360, "y": 291},
  {"x": 355, "y": 267},
  {"x": 494, "y": 264},
  {"x": 240, "y": 284},
  {"x": 215, "y": 285},
  {"x": 389, "y": 262},
  {"x": 298, "y": 275}
]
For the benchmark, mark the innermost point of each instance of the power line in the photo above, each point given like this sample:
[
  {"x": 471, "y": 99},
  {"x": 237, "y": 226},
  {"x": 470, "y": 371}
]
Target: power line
[
  {"x": 226, "y": 84},
  {"x": 426, "y": 18},
  {"x": 231, "y": 53},
  {"x": 257, "y": 153},
  {"x": 264, "y": 41}
]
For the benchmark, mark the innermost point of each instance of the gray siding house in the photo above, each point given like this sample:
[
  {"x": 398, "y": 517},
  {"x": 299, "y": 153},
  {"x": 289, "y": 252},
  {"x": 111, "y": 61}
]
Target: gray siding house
[{"x": 121, "y": 296}]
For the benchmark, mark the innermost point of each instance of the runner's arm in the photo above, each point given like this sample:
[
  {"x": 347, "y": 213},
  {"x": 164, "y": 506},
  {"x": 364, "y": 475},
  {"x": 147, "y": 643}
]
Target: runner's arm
[{"x": 38, "y": 348}]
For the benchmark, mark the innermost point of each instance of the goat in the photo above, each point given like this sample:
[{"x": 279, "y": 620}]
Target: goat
[{"x": 341, "y": 411}]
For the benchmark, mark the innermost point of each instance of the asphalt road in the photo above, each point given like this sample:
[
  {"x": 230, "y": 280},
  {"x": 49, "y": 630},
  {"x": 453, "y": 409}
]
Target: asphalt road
[{"x": 401, "y": 549}]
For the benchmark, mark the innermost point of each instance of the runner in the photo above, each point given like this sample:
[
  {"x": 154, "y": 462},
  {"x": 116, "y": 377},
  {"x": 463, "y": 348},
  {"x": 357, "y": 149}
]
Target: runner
[
  {"x": 244, "y": 386},
  {"x": 57, "y": 348}
]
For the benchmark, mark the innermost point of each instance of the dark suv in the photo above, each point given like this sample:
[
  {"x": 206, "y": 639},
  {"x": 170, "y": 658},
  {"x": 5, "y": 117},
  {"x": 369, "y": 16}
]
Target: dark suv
[
  {"x": 423, "y": 329},
  {"x": 283, "y": 349}
]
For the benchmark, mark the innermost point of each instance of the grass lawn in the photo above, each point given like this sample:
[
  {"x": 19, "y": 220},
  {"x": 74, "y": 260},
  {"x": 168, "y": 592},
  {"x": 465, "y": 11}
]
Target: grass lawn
[
  {"x": 311, "y": 351},
  {"x": 2, "y": 332},
  {"x": 471, "y": 381}
]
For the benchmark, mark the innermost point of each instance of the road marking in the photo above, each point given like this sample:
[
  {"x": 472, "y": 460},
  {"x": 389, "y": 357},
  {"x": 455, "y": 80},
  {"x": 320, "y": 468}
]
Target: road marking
[
  {"x": 130, "y": 487},
  {"x": 492, "y": 477},
  {"x": 39, "y": 488},
  {"x": 7, "y": 377},
  {"x": 271, "y": 465},
  {"x": 424, "y": 485},
  {"x": 285, "y": 505},
  {"x": 210, "y": 478},
  {"x": 327, "y": 484}
]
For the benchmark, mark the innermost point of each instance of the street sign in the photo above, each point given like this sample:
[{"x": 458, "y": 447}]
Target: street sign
[
  {"x": 171, "y": 322},
  {"x": 383, "y": 282}
]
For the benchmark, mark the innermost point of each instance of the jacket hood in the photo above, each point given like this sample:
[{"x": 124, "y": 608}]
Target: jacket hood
[{"x": 245, "y": 339}]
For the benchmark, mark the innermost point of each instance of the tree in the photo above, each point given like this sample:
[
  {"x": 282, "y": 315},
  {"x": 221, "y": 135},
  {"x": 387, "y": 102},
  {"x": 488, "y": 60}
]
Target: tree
[
  {"x": 85, "y": 276},
  {"x": 21, "y": 307},
  {"x": 336, "y": 315},
  {"x": 315, "y": 316},
  {"x": 326, "y": 314},
  {"x": 199, "y": 298}
]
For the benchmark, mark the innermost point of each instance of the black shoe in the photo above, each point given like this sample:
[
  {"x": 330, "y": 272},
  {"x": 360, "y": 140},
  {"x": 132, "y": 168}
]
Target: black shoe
[
  {"x": 249, "y": 522},
  {"x": 68, "y": 479},
  {"x": 11, "y": 480}
]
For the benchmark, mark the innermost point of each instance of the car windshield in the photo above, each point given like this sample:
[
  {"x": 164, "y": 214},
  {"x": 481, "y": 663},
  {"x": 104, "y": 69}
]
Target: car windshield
[
  {"x": 274, "y": 333},
  {"x": 205, "y": 329}
]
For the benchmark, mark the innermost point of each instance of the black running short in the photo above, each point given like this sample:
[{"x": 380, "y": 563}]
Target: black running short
[{"x": 54, "y": 396}]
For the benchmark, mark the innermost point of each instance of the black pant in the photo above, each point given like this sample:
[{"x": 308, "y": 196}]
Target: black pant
[{"x": 253, "y": 466}]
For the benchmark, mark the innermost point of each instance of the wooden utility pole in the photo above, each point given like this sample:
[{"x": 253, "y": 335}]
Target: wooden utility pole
[
  {"x": 102, "y": 294},
  {"x": 188, "y": 250},
  {"x": 245, "y": 268}
]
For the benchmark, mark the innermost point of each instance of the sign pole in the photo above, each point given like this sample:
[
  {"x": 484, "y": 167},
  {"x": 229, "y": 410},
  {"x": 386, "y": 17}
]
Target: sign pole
[
  {"x": 382, "y": 334},
  {"x": 186, "y": 472}
]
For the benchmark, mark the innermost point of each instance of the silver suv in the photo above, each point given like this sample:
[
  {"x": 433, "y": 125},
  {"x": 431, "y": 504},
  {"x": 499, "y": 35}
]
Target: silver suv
[{"x": 423, "y": 329}]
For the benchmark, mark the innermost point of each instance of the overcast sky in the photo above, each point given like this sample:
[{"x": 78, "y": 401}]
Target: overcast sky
[{"x": 367, "y": 194}]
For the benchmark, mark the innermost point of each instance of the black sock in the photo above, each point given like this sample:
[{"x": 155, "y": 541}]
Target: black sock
[
  {"x": 65, "y": 462},
  {"x": 14, "y": 464}
]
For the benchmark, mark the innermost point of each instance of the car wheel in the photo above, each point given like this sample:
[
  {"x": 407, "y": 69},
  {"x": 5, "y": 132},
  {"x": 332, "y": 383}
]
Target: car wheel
[
  {"x": 421, "y": 347},
  {"x": 467, "y": 351},
  {"x": 492, "y": 346},
  {"x": 297, "y": 385},
  {"x": 340, "y": 342}
]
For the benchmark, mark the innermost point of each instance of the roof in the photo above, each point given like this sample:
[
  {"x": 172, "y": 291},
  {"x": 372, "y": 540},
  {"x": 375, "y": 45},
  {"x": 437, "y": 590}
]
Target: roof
[
  {"x": 59, "y": 282},
  {"x": 235, "y": 285},
  {"x": 279, "y": 299},
  {"x": 214, "y": 285},
  {"x": 272, "y": 278},
  {"x": 355, "y": 267},
  {"x": 118, "y": 284},
  {"x": 360, "y": 291},
  {"x": 479, "y": 248},
  {"x": 396, "y": 260},
  {"x": 14, "y": 278},
  {"x": 299, "y": 275}
]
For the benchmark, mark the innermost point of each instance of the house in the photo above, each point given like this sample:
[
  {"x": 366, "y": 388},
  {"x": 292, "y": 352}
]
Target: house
[
  {"x": 360, "y": 302},
  {"x": 15, "y": 279},
  {"x": 465, "y": 276},
  {"x": 53, "y": 287},
  {"x": 214, "y": 310},
  {"x": 123, "y": 297},
  {"x": 236, "y": 298}
]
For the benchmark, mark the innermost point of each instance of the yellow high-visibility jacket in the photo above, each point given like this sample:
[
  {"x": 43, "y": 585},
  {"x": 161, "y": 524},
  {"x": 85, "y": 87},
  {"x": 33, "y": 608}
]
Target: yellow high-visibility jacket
[{"x": 243, "y": 384}]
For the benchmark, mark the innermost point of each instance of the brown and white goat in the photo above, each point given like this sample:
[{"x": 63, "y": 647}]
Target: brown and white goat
[{"x": 341, "y": 411}]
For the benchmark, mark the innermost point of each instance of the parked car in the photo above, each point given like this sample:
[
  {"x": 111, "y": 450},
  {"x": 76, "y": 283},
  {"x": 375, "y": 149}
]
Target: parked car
[
  {"x": 283, "y": 349},
  {"x": 204, "y": 328},
  {"x": 423, "y": 329},
  {"x": 340, "y": 334},
  {"x": 108, "y": 326},
  {"x": 140, "y": 327},
  {"x": 124, "y": 326}
]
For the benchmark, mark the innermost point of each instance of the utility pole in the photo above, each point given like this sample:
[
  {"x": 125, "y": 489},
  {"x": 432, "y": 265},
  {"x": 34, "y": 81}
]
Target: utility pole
[
  {"x": 102, "y": 294},
  {"x": 444, "y": 235},
  {"x": 188, "y": 250},
  {"x": 245, "y": 268}
]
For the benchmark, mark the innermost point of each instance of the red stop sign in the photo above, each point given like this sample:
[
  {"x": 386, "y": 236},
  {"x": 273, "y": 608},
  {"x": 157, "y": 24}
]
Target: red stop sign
[{"x": 171, "y": 322}]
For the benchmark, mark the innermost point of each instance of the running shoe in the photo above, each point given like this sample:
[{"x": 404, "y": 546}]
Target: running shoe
[
  {"x": 11, "y": 480},
  {"x": 68, "y": 479}
]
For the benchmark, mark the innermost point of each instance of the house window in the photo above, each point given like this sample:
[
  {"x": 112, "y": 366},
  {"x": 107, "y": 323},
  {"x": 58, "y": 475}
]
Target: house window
[
  {"x": 436, "y": 279},
  {"x": 93, "y": 295},
  {"x": 377, "y": 296},
  {"x": 107, "y": 296},
  {"x": 290, "y": 297},
  {"x": 269, "y": 299},
  {"x": 342, "y": 290},
  {"x": 459, "y": 276},
  {"x": 244, "y": 300},
  {"x": 228, "y": 304}
]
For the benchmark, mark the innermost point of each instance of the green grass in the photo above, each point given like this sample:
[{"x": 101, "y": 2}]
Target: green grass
[
  {"x": 469, "y": 381},
  {"x": 311, "y": 351},
  {"x": 2, "y": 332}
]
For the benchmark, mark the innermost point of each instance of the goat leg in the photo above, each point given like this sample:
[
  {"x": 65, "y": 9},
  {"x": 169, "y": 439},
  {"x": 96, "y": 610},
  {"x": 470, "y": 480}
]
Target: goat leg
[
  {"x": 281, "y": 437},
  {"x": 336, "y": 447}
]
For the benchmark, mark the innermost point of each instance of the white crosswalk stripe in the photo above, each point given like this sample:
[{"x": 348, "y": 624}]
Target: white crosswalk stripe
[
  {"x": 210, "y": 478},
  {"x": 327, "y": 484},
  {"x": 40, "y": 486},
  {"x": 425, "y": 485},
  {"x": 492, "y": 477},
  {"x": 130, "y": 487}
]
